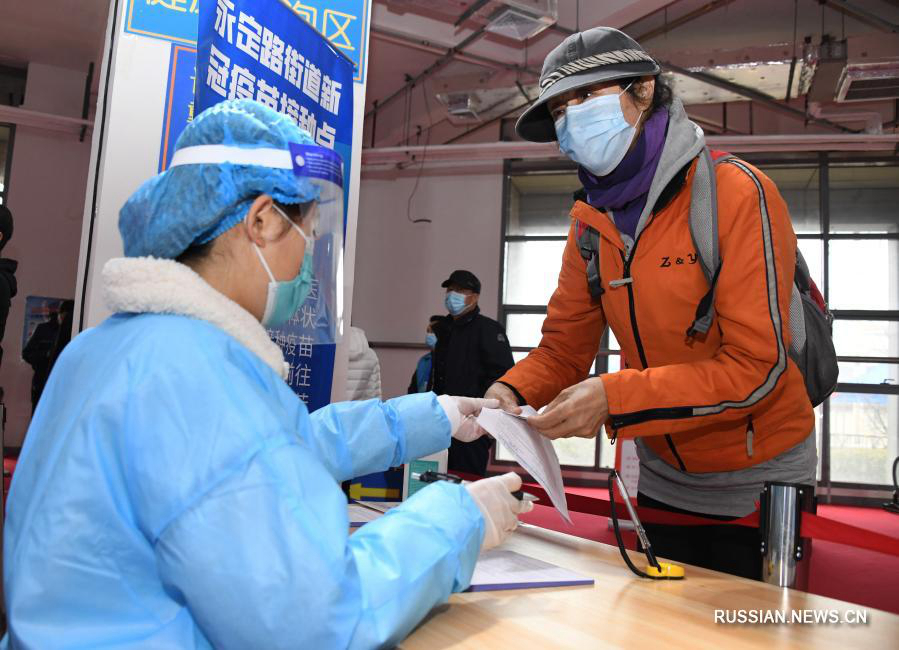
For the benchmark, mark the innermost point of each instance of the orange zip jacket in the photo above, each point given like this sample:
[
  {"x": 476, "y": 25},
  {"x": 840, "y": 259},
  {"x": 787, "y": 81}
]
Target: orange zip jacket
[{"x": 727, "y": 401}]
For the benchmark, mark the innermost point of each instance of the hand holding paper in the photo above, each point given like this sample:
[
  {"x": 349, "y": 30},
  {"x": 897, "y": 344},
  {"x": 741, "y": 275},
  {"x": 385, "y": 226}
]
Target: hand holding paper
[
  {"x": 578, "y": 411},
  {"x": 462, "y": 413},
  {"x": 532, "y": 451},
  {"x": 507, "y": 399}
]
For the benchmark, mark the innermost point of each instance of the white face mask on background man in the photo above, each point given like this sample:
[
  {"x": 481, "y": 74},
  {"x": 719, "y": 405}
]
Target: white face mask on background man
[{"x": 455, "y": 302}]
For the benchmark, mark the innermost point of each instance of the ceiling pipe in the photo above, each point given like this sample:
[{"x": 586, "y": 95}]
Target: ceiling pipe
[
  {"x": 754, "y": 95},
  {"x": 495, "y": 151},
  {"x": 707, "y": 8},
  {"x": 862, "y": 15},
  {"x": 468, "y": 13}
]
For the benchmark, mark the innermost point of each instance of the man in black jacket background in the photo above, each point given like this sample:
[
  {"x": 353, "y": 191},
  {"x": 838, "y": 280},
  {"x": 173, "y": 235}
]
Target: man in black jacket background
[
  {"x": 8, "y": 286},
  {"x": 472, "y": 352}
]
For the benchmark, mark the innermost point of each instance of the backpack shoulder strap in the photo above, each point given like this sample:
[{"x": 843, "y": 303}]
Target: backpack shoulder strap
[
  {"x": 704, "y": 214},
  {"x": 704, "y": 232},
  {"x": 703, "y": 222},
  {"x": 588, "y": 245}
]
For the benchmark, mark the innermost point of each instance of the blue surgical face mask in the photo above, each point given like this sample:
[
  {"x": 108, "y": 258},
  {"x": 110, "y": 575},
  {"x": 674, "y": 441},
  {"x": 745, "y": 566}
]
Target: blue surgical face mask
[
  {"x": 455, "y": 302},
  {"x": 285, "y": 297},
  {"x": 431, "y": 340},
  {"x": 595, "y": 134}
]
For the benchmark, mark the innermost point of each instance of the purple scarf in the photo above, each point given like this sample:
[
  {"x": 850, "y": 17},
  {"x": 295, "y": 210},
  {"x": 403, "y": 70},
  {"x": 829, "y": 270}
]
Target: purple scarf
[{"x": 624, "y": 190}]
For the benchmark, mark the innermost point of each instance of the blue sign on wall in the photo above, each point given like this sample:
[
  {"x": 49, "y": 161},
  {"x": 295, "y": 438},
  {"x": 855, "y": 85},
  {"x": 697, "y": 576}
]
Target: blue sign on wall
[
  {"x": 179, "y": 100},
  {"x": 169, "y": 20},
  {"x": 342, "y": 22},
  {"x": 263, "y": 51}
]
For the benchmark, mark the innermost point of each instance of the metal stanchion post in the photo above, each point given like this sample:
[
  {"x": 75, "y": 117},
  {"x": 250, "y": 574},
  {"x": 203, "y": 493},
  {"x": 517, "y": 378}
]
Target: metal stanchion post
[{"x": 785, "y": 555}]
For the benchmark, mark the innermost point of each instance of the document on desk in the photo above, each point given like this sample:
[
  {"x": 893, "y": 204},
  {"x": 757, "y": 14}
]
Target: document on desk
[
  {"x": 498, "y": 570},
  {"x": 360, "y": 515},
  {"x": 533, "y": 452}
]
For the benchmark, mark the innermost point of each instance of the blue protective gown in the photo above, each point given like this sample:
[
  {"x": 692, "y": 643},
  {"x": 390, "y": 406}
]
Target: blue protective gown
[{"x": 174, "y": 493}]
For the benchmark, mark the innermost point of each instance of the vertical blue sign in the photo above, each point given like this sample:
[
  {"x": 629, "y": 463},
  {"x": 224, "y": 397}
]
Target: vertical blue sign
[{"x": 264, "y": 51}]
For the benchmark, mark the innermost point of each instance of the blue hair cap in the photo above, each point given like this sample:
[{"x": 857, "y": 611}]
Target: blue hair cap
[{"x": 195, "y": 203}]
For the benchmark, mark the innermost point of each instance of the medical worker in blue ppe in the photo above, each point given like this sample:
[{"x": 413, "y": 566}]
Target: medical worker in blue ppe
[{"x": 173, "y": 492}]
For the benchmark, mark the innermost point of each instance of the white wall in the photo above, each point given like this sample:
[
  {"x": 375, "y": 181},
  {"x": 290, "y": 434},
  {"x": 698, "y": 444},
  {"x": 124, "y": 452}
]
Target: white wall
[
  {"x": 46, "y": 197},
  {"x": 400, "y": 265},
  {"x": 130, "y": 155}
]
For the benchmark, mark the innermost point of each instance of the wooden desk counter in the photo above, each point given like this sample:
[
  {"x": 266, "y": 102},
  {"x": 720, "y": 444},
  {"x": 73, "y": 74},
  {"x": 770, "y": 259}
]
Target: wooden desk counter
[{"x": 623, "y": 611}]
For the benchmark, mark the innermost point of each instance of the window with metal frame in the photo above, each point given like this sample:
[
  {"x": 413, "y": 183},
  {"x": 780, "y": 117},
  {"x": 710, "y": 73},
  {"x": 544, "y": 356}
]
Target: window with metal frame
[{"x": 848, "y": 229}]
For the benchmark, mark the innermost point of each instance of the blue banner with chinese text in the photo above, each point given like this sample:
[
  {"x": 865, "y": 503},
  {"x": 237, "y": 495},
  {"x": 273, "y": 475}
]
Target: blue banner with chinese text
[
  {"x": 264, "y": 51},
  {"x": 342, "y": 22}
]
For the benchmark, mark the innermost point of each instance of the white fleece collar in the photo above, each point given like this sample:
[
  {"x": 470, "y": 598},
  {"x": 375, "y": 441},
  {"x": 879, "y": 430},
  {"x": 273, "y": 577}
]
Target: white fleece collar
[{"x": 140, "y": 285}]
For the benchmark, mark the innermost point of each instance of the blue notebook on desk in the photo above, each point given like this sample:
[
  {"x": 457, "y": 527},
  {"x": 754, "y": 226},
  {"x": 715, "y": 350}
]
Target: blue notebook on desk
[{"x": 499, "y": 569}]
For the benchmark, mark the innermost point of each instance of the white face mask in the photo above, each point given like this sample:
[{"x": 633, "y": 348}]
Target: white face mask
[{"x": 595, "y": 134}]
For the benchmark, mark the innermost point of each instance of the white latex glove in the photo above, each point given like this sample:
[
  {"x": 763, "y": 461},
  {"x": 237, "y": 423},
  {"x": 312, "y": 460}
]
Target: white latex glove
[
  {"x": 462, "y": 413},
  {"x": 499, "y": 508}
]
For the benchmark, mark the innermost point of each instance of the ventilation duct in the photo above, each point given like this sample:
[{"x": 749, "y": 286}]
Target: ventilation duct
[
  {"x": 484, "y": 104},
  {"x": 523, "y": 19},
  {"x": 461, "y": 107},
  {"x": 831, "y": 56},
  {"x": 471, "y": 98},
  {"x": 870, "y": 81}
]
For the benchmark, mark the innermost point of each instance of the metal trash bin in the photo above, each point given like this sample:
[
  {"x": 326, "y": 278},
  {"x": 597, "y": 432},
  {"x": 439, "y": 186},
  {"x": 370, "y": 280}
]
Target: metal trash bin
[{"x": 785, "y": 555}]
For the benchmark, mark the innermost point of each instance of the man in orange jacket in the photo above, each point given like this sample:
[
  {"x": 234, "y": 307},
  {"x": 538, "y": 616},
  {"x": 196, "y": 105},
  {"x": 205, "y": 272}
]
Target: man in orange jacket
[{"x": 713, "y": 416}]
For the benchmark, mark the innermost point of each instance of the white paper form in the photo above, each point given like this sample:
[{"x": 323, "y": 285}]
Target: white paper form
[
  {"x": 360, "y": 515},
  {"x": 498, "y": 569},
  {"x": 533, "y": 452}
]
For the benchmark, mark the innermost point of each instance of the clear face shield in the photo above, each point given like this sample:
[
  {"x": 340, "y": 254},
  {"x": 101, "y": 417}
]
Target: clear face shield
[
  {"x": 317, "y": 175},
  {"x": 319, "y": 320}
]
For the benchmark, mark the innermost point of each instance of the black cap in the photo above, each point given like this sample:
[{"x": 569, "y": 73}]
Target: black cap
[
  {"x": 464, "y": 279},
  {"x": 583, "y": 59}
]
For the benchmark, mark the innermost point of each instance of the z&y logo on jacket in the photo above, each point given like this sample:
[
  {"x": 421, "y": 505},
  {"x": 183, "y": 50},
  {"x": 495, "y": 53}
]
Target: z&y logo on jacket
[{"x": 691, "y": 258}]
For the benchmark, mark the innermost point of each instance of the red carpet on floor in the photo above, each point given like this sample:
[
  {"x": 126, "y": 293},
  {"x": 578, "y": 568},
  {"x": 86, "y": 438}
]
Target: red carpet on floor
[{"x": 837, "y": 571}]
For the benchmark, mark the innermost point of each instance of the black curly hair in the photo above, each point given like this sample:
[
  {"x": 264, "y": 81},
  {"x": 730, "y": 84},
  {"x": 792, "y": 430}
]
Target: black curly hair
[{"x": 662, "y": 96}]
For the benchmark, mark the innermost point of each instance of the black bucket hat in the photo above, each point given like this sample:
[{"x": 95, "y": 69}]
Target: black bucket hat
[{"x": 582, "y": 59}]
